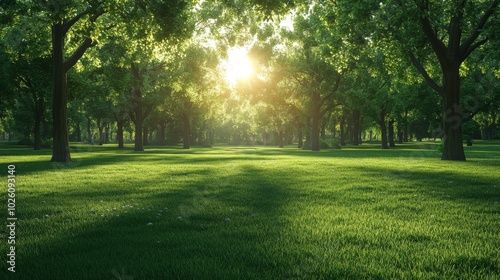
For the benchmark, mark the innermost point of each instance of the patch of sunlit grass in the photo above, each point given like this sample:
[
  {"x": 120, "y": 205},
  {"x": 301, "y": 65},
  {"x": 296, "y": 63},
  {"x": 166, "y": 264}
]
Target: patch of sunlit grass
[{"x": 257, "y": 213}]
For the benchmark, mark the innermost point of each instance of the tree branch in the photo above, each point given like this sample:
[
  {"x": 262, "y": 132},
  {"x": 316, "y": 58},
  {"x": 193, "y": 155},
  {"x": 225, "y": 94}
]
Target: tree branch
[
  {"x": 334, "y": 90},
  {"x": 327, "y": 109},
  {"x": 132, "y": 116},
  {"x": 149, "y": 109},
  {"x": 68, "y": 24},
  {"x": 463, "y": 56},
  {"x": 78, "y": 54},
  {"x": 136, "y": 72},
  {"x": 437, "y": 45},
  {"x": 426, "y": 76},
  {"x": 465, "y": 49}
]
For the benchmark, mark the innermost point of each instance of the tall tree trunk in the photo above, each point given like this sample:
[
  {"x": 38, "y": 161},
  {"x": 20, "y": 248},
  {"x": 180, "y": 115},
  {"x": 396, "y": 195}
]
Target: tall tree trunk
[
  {"x": 78, "y": 132},
  {"x": 383, "y": 130},
  {"x": 211, "y": 137},
  {"x": 89, "y": 131},
  {"x": 100, "y": 126},
  {"x": 400, "y": 135},
  {"x": 137, "y": 116},
  {"x": 281, "y": 137},
  {"x": 315, "y": 119},
  {"x": 452, "y": 116},
  {"x": 160, "y": 137},
  {"x": 315, "y": 133},
  {"x": 60, "y": 150},
  {"x": 391, "y": 133},
  {"x": 138, "y": 144},
  {"x": 106, "y": 133},
  {"x": 300, "y": 137},
  {"x": 342, "y": 130},
  {"x": 119, "y": 133},
  {"x": 356, "y": 127},
  {"x": 323, "y": 130}
]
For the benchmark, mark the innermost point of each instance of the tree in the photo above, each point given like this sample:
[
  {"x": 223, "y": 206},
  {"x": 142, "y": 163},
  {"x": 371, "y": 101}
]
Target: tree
[
  {"x": 63, "y": 19},
  {"x": 452, "y": 35},
  {"x": 29, "y": 64}
]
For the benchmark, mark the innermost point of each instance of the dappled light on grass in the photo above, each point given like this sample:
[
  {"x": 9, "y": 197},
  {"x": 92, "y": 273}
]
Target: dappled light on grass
[{"x": 260, "y": 213}]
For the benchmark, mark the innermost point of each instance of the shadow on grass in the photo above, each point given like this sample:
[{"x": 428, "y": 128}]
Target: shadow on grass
[
  {"x": 215, "y": 227},
  {"x": 87, "y": 156}
]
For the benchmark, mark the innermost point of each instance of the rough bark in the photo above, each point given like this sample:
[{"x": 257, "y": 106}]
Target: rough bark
[
  {"x": 452, "y": 117},
  {"x": 60, "y": 152}
]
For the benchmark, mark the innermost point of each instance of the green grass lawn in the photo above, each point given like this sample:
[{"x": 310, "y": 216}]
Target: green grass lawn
[{"x": 254, "y": 213}]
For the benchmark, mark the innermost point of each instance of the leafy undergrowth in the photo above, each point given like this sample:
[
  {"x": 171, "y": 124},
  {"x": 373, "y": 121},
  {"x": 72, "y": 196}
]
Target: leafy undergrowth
[{"x": 255, "y": 213}]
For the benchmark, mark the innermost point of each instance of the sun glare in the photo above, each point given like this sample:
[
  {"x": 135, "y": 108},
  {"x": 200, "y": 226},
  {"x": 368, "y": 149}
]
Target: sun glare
[{"x": 238, "y": 65}]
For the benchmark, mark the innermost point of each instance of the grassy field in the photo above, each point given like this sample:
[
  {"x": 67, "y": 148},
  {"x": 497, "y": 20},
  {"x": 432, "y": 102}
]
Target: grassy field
[{"x": 254, "y": 213}]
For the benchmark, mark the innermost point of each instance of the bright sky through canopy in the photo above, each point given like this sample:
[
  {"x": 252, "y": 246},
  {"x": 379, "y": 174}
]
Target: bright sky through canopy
[{"x": 238, "y": 65}]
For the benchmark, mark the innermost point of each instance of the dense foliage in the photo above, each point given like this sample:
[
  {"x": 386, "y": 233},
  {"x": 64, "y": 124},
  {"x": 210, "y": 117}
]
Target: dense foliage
[{"x": 153, "y": 72}]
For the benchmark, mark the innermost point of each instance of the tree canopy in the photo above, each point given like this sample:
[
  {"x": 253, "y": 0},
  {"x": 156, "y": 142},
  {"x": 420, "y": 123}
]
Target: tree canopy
[{"x": 315, "y": 73}]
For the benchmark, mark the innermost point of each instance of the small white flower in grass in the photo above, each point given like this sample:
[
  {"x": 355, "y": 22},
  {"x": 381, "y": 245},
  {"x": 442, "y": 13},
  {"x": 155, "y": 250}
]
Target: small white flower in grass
[{"x": 150, "y": 224}]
